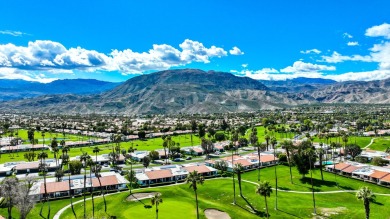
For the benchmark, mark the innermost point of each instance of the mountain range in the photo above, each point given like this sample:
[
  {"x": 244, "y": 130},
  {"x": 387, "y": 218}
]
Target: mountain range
[
  {"x": 187, "y": 91},
  {"x": 20, "y": 89}
]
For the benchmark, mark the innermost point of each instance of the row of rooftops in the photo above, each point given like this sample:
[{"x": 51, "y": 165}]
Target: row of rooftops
[
  {"x": 77, "y": 182},
  {"x": 355, "y": 168},
  {"x": 247, "y": 160},
  {"x": 171, "y": 171}
]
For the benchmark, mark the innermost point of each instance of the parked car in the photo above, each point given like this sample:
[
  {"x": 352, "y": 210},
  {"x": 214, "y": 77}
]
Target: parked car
[
  {"x": 189, "y": 158},
  {"x": 178, "y": 159}
]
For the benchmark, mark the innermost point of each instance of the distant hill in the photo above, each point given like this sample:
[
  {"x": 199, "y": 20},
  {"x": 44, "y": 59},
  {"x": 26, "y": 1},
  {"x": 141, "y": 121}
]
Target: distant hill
[
  {"x": 19, "y": 89},
  {"x": 171, "y": 91},
  {"x": 191, "y": 91},
  {"x": 297, "y": 85}
]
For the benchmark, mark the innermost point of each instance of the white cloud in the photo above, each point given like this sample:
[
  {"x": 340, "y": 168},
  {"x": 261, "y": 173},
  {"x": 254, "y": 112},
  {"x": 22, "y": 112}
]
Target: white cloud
[
  {"x": 12, "y": 73},
  {"x": 347, "y": 35},
  {"x": 53, "y": 57},
  {"x": 303, "y": 67},
  {"x": 236, "y": 51},
  {"x": 12, "y": 33},
  {"x": 382, "y": 30},
  {"x": 381, "y": 53},
  {"x": 337, "y": 57},
  {"x": 360, "y": 76},
  {"x": 353, "y": 43},
  {"x": 244, "y": 65},
  {"x": 316, "y": 51}
]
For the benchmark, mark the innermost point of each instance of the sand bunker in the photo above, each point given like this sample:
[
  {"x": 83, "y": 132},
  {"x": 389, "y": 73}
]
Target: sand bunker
[
  {"x": 216, "y": 214},
  {"x": 140, "y": 196}
]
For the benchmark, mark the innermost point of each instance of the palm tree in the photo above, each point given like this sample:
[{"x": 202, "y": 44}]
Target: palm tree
[
  {"x": 310, "y": 154},
  {"x": 234, "y": 182},
  {"x": 193, "y": 178},
  {"x": 156, "y": 200},
  {"x": 54, "y": 147},
  {"x": 96, "y": 150},
  {"x": 71, "y": 197},
  {"x": 42, "y": 156},
  {"x": 168, "y": 143},
  {"x": 264, "y": 189},
  {"x": 288, "y": 146},
  {"x": 367, "y": 196},
  {"x": 267, "y": 138},
  {"x": 90, "y": 163},
  {"x": 238, "y": 169},
  {"x": 273, "y": 143},
  {"x": 84, "y": 158},
  {"x": 96, "y": 169}
]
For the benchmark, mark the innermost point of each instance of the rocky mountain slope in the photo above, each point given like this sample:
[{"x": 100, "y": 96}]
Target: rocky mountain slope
[
  {"x": 172, "y": 91},
  {"x": 20, "y": 89}
]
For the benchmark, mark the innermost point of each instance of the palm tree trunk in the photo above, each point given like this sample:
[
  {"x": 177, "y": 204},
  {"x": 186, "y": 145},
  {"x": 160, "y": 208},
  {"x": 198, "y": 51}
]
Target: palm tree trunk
[
  {"x": 239, "y": 182},
  {"x": 131, "y": 173},
  {"x": 85, "y": 181},
  {"x": 71, "y": 202},
  {"x": 197, "y": 207},
  {"x": 156, "y": 211},
  {"x": 234, "y": 183},
  {"x": 102, "y": 191},
  {"x": 322, "y": 175},
  {"x": 276, "y": 182},
  {"x": 289, "y": 165},
  {"x": 312, "y": 187},
  {"x": 258, "y": 172},
  {"x": 266, "y": 206},
  {"x": 93, "y": 203},
  {"x": 367, "y": 208}
]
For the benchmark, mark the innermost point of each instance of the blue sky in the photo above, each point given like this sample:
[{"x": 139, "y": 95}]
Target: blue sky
[{"x": 116, "y": 40}]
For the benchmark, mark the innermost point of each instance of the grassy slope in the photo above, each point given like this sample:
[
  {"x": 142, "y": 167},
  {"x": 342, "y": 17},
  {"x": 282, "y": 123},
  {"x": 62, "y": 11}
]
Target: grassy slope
[{"x": 218, "y": 194}]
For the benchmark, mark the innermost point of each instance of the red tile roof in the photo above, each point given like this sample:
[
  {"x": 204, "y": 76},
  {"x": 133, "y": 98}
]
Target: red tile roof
[
  {"x": 379, "y": 174},
  {"x": 24, "y": 166},
  {"x": 235, "y": 157},
  {"x": 386, "y": 178},
  {"x": 105, "y": 181},
  {"x": 199, "y": 169},
  {"x": 341, "y": 166},
  {"x": 55, "y": 187},
  {"x": 243, "y": 162},
  {"x": 158, "y": 174},
  {"x": 267, "y": 158},
  {"x": 350, "y": 169}
]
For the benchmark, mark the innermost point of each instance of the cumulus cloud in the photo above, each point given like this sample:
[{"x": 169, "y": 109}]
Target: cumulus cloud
[
  {"x": 382, "y": 30},
  {"x": 12, "y": 33},
  {"x": 347, "y": 35},
  {"x": 300, "y": 66},
  {"x": 236, "y": 51},
  {"x": 311, "y": 51},
  {"x": 360, "y": 76},
  {"x": 244, "y": 65},
  {"x": 49, "y": 56},
  {"x": 337, "y": 57},
  {"x": 354, "y": 43},
  {"x": 12, "y": 73}
]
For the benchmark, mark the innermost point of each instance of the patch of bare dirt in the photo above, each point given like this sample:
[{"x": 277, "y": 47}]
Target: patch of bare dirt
[
  {"x": 140, "y": 196},
  {"x": 216, "y": 214},
  {"x": 329, "y": 212}
]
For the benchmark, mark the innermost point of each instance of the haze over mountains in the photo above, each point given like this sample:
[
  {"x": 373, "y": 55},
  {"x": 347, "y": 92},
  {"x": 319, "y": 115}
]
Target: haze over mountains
[{"x": 184, "y": 91}]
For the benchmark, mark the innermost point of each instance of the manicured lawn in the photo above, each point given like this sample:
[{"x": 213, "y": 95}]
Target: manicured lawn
[
  {"x": 149, "y": 144},
  {"x": 380, "y": 144},
  {"x": 49, "y": 136},
  {"x": 359, "y": 140},
  {"x": 179, "y": 200}
]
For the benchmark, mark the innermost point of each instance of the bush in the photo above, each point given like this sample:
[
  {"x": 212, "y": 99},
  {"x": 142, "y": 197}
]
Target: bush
[
  {"x": 219, "y": 136},
  {"x": 378, "y": 161},
  {"x": 361, "y": 159}
]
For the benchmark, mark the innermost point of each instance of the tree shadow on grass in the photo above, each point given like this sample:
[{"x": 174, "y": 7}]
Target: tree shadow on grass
[
  {"x": 249, "y": 204},
  {"x": 317, "y": 182},
  {"x": 377, "y": 203},
  {"x": 345, "y": 187},
  {"x": 284, "y": 188}
]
